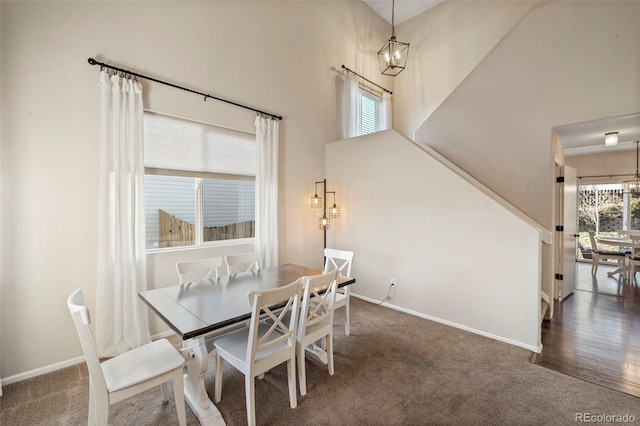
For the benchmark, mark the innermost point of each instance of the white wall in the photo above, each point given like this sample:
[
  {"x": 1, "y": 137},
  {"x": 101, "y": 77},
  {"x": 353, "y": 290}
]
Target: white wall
[
  {"x": 457, "y": 255},
  {"x": 447, "y": 43},
  {"x": 603, "y": 165},
  {"x": 276, "y": 56},
  {"x": 564, "y": 62}
]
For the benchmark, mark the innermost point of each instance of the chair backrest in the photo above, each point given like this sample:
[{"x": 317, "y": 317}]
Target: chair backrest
[
  {"x": 317, "y": 307},
  {"x": 280, "y": 330},
  {"x": 629, "y": 232},
  {"x": 594, "y": 245},
  {"x": 243, "y": 262},
  {"x": 340, "y": 259},
  {"x": 202, "y": 269},
  {"x": 81, "y": 319},
  {"x": 635, "y": 247}
]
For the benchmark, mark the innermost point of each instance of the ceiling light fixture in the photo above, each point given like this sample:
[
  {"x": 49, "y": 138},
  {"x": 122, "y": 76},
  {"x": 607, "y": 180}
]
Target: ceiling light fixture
[
  {"x": 393, "y": 55},
  {"x": 611, "y": 139}
]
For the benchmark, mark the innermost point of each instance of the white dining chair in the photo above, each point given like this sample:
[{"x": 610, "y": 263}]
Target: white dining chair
[
  {"x": 202, "y": 269},
  {"x": 342, "y": 260},
  {"x": 598, "y": 253},
  {"x": 633, "y": 259},
  {"x": 316, "y": 320},
  {"x": 263, "y": 346},
  {"x": 243, "y": 262},
  {"x": 128, "y": 374}
]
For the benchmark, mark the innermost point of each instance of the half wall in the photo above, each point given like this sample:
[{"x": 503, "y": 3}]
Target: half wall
[{"x": 458, "y": 256}]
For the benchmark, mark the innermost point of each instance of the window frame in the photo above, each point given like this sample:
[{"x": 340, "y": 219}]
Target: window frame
[{"x": 199, "y": 210}]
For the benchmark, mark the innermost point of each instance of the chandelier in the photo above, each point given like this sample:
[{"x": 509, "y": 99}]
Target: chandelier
[
  {"x": 393, "y": 55},
  {"x": 633, "y": 185}
]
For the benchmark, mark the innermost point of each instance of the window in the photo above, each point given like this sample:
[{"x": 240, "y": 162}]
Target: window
[
  {"x": 364, "y": 110},
  {"x": 370, "y": 106},
  {"x": 605, "y": 209},
  {"x": 199, "y": 183}
]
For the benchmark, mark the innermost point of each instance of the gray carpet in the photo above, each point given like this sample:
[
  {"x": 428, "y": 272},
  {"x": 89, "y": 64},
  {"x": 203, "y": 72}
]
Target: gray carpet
[{"x": 393, "y": 369}]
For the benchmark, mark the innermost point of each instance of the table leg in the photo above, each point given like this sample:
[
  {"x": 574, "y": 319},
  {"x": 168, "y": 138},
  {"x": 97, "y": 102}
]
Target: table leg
[{"x": 195, "y": 351}]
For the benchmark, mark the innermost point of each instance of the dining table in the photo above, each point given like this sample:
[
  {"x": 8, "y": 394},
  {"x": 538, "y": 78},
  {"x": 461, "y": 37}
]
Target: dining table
[
  {"x": 622, "y": 242},
  {"x": 201, "y": 311}
]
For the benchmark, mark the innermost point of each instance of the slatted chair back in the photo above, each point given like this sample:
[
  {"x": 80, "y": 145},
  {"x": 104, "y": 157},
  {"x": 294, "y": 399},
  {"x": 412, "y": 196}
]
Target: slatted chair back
[
  {"x": 243, "y": 262},
  {"x": 340, "y": 259},
  {"x": 198, "y": 270}
]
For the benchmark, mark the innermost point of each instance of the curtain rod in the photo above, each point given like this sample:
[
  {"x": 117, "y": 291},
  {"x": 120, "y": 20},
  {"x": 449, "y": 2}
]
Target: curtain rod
[
  {"x": 355, "y": 73},
  {"x": 103, "y": 65},
  {"x": 605, "y": 176}
]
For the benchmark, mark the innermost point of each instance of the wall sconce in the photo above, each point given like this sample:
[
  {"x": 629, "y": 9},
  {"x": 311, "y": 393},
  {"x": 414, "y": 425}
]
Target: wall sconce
[
  {"x": 334, "y": 211},
  {"x": 611, "y": 139},
  {"x": 323, "y": 223},
  {"x": 316, "y": 202}
]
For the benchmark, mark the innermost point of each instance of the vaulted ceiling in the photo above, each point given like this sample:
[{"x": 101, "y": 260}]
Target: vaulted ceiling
[{"x": 404, "y": 9}]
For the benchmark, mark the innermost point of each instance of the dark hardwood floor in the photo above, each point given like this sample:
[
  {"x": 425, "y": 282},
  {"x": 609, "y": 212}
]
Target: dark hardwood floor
[{"x": 595, "y": 333}]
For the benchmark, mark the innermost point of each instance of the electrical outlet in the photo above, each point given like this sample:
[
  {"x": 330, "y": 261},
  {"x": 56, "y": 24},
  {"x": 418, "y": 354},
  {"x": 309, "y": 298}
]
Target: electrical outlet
[{"x": 393, "y": 281}]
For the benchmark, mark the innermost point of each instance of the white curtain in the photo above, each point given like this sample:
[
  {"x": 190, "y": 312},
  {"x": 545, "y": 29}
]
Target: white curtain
[
  {"x": 384, "y": 121},
  {"x": 121, "y": 318},
  {"x": 350, "y": 106},
  {"x": 267, "y": 130}
]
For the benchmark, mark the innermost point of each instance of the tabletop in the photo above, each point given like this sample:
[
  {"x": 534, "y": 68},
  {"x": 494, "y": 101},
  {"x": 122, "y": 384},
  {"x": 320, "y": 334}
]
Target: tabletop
[
  {"x": 201, "y": 307},
  {"x": 615, "y": 241}
]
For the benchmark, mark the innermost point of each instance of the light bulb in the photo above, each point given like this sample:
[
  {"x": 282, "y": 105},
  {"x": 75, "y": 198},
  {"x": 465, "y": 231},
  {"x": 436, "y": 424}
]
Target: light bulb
[{"x": 611, "y": 139}]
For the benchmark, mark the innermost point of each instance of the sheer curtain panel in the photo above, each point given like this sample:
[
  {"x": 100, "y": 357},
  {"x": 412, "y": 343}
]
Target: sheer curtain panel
[
  {"x": 267, "y": 130},
  {"x": 351, "y": 114},
  {"x": 385, "y": 112},
  {"x": 121, "y": 318}
]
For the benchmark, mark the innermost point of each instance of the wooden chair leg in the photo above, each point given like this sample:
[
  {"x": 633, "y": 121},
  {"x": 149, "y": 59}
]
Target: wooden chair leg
[
  {"x": 347, "y": 317},
  {"x": 92, "y": 406},
  {"x": 165, "y": 391},
  {"x": 250, "y": 389},
  {"x": 330, "y": 353},
  {"x": 293, "y": 392},
  {"x": 301, "y": 369},
  {"x": 178, "y": 392}
]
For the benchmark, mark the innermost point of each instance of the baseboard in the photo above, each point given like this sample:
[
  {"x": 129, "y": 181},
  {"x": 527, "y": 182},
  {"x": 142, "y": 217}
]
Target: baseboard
[
  {"x": 536, "y": 349},
  {"x": 60, "y": 365},
  {"x": 42, "y": 370}
]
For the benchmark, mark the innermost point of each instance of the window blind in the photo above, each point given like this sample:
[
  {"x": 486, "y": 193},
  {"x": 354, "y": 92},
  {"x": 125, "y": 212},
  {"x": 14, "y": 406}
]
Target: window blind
[
  {"x": 369, "y": 108},
  {"x": 177, "y": 144}
]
